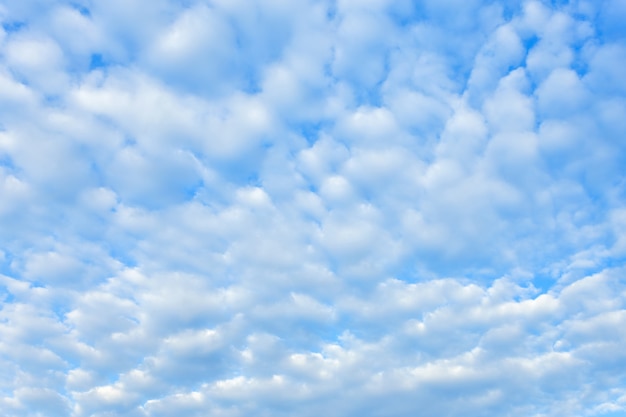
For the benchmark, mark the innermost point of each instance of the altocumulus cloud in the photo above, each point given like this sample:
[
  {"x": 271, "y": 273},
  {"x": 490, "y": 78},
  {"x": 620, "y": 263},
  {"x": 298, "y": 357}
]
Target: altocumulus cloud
[{"x": 305, "y": 208}]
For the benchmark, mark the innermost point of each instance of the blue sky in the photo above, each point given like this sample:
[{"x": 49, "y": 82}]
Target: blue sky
[{"x": 304, "y": 208}]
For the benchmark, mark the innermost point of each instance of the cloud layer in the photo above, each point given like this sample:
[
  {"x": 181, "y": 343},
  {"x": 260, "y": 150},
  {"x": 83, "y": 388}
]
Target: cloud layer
[{"x": 304, "y": 208}]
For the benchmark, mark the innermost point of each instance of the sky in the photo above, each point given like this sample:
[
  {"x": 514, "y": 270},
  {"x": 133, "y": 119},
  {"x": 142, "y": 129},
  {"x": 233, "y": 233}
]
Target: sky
[{"x": 304, "y": 208}]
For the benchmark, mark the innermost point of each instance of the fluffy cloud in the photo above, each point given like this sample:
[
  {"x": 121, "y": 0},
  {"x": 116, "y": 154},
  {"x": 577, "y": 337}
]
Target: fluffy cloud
[{"x": 344, "y": 208}]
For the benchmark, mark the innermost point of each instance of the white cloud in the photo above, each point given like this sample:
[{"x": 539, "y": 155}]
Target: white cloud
[{"x": 311, "y": 208}]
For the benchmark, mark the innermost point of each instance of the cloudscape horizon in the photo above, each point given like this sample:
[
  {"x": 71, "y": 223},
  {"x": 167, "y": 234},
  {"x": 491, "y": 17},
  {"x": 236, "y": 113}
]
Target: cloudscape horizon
[{"x": 312, "y": 208}]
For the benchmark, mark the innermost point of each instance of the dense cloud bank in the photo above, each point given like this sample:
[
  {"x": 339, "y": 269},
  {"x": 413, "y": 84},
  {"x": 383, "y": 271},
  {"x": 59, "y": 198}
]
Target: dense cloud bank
[{"x": 305, "y": 208}]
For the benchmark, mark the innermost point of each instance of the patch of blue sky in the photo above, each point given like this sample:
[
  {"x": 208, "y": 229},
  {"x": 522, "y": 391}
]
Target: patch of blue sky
[
  {"x": 13, "y": 26},
  {"x": 6, "y": 163},
  {"x": 6, "y": 296},
  {"x": 311, "y": 130},
  {"x": 83, "y": 9},
  {"x": 618, "y": 413},
  {"x": 97, "y": 61}
]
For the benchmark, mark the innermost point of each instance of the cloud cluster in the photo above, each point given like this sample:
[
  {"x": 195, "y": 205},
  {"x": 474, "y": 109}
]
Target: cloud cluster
[{"x": 341, "y": 208}]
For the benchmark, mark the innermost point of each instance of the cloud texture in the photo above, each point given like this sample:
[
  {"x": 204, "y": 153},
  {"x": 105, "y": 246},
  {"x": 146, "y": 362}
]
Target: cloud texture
[{"x": 305, "y": 208}]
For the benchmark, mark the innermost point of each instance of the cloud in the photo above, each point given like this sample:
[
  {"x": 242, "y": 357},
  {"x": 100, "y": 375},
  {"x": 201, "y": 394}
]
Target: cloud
[{"x": 343, "y": 208}]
